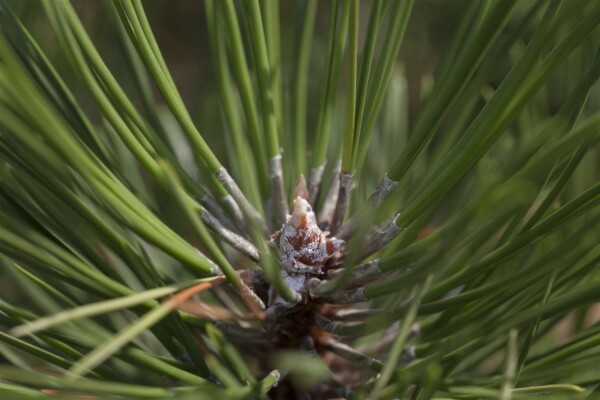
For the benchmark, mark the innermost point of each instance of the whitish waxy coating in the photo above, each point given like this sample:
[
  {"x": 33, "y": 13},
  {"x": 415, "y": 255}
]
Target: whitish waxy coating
[{"x": 303, "y": 247}]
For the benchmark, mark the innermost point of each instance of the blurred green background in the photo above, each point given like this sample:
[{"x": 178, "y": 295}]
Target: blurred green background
[{"x": 180, "y": 28}]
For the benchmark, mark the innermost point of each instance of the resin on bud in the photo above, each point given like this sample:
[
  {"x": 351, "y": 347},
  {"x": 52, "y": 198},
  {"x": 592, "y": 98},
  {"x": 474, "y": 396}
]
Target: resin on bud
[{"x": 303, "y": 247}]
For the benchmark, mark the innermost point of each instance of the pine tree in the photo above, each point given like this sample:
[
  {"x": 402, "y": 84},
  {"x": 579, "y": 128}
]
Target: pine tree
[{"x": 311, "y": 228}]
